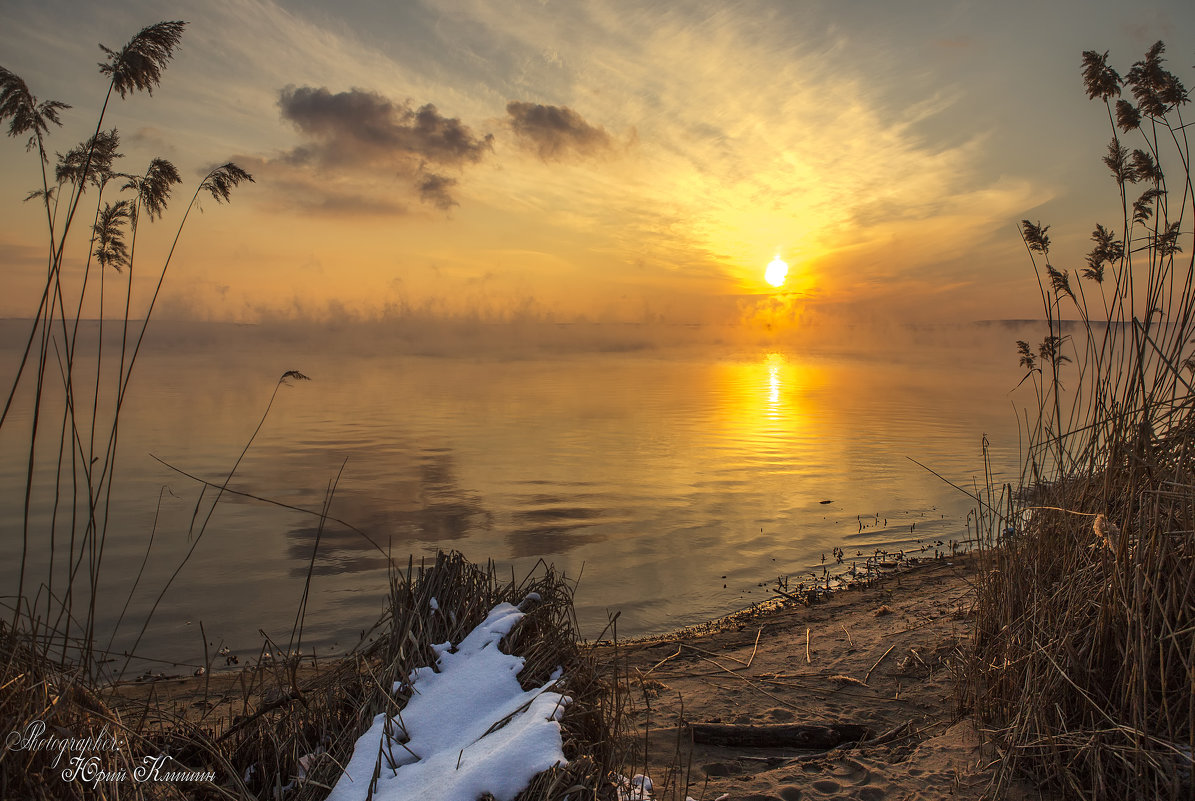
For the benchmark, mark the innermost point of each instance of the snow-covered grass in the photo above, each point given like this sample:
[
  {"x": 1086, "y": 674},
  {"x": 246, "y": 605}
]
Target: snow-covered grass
[{"x": 468, "y": 728}]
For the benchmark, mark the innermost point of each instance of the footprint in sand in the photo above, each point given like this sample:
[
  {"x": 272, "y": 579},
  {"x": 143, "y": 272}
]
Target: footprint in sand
[
  {"x": 832, "y": 789},
  {"x": 851, "y": 772},
  {"x": 827, "y": 787}
]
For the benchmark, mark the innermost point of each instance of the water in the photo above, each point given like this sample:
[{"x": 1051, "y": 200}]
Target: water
[{"x": 672, "y": 480}]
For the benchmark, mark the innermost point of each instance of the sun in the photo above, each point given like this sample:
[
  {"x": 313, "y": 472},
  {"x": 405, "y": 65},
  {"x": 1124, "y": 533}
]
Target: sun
[{"x": 776, "y": 273}]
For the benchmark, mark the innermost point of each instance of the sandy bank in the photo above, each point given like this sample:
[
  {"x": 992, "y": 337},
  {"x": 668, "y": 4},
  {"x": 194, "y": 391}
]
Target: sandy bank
[{"x": 883, "y": 657}]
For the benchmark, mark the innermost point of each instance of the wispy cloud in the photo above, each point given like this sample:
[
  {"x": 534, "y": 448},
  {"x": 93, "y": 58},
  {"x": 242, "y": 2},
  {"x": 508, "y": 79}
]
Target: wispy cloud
[{"x": 289, "y": 187}]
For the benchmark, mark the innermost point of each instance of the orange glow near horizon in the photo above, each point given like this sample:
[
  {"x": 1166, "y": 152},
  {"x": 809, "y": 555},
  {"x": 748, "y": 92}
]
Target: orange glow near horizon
[{"x": 527, "y": 194}]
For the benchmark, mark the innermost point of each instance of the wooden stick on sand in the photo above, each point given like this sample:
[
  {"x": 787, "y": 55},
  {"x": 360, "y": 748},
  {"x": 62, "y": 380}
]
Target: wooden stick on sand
[{"x": 877, "y": 664}]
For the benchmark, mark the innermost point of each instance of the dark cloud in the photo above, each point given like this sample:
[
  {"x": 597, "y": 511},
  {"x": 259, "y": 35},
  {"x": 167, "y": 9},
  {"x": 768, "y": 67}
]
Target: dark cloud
[
  {"x": 434, "y": 189},
  {"x": 555, "y": 131},
  {"x": 354, "y": 140},
  {"x": 357, "y": 127}
]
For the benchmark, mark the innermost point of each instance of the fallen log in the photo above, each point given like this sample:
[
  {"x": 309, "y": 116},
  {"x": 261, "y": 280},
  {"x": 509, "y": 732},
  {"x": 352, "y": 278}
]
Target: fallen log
[{"x": 784, "y": 735}]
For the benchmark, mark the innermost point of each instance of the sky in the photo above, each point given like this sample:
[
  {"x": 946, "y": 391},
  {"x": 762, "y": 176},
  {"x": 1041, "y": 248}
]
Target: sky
[{"x": 599, "y": 160}]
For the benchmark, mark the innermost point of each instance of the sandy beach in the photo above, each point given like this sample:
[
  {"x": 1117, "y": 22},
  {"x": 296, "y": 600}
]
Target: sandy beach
[{"x": 883, "y": 657}]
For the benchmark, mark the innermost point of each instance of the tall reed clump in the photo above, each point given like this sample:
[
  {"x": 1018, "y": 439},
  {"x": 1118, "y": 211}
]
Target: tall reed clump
[
  {"x": 69, "y": 392},
  {"x": 1084, "y": 659},
  {"x": 64, "y": 407}
]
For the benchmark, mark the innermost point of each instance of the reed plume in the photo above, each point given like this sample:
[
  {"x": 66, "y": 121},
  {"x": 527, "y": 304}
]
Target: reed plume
[
  {"x": 139, "y": 64},
  {"x": 25, "y": 115},
  {"x": 153, "y": 188},
  {"x": 90, "y": 161},
  {"x": 110, "y": 247},
  {"x": 220, "y": 182}
]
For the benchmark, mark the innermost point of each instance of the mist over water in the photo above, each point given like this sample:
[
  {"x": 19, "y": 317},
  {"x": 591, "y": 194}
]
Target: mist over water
[{"x": 672, "y": 469}]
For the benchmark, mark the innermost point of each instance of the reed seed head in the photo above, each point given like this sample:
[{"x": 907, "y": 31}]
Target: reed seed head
[
  {"x": 110, "y": 247},
  {"x": 153, "y": 188},
  {"x": 1117, "y": 160},
  {"x": 1143, "y": 206},
  {"x": 24, "y": 113},
  {"x": 1128, "y": 118},
  {"x": 91, "y": 160},
  {"x": 221, "y": 181},
  {"x": 139, "y": 64},
  {"x": 1035, "y": 236},
  {"x": 1101, "y": 81}
]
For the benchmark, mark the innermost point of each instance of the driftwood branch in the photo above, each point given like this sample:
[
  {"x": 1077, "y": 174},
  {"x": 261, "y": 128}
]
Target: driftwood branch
[{"x": 786, "y": 735}]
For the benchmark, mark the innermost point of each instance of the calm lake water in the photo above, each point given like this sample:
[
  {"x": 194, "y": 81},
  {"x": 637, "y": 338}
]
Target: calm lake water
[{"x": 672, "y": 479}]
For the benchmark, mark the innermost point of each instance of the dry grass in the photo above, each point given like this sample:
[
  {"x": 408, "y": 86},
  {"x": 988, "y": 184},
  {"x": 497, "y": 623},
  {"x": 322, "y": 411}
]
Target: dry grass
[
  {"x": 283, "y": 730},
  {"x": 1085, "y": 643},
  {"x": 1084, "y": 655}
]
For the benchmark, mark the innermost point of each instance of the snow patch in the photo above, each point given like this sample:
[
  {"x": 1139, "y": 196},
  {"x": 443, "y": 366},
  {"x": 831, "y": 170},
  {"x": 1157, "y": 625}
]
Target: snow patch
[{"x": 468, "y": 729}]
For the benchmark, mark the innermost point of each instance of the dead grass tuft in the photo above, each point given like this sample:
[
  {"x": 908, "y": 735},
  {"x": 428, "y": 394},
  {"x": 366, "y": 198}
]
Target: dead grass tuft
[{"x": 1084, "y": 651}]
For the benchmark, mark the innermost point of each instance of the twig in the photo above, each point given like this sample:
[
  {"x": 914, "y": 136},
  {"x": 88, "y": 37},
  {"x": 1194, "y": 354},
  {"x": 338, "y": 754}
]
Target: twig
[
  {"x": 867, "y": 678},
  {"x": 776, "y": 698},
  {"x": 711, "y": 653},
  {"x": 207, "y": 667},
  {"x": 756, "y": 648},
  {"x": 788, "y": 595},
  {"x": 662, "y": 661}
]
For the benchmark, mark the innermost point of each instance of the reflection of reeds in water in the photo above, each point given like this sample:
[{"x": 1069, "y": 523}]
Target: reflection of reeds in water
[{"x": 1085, "y": 635}]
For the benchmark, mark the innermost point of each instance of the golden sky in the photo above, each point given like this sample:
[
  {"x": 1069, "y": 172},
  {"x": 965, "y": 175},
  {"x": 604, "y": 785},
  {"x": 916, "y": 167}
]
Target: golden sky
[{"x": 628, "y": 161}]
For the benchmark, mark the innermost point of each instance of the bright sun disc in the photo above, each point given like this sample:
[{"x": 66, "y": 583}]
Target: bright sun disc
[{"x": 776, "y": 273}]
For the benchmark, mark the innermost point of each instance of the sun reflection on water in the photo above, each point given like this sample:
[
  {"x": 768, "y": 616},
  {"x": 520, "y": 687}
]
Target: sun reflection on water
[
  {"x": 769, "y": 404},
  {"x": 774, "y": 361}
]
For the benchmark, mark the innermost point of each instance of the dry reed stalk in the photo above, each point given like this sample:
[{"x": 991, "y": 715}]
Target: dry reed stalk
[{"x": 1084, "y": 641}]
